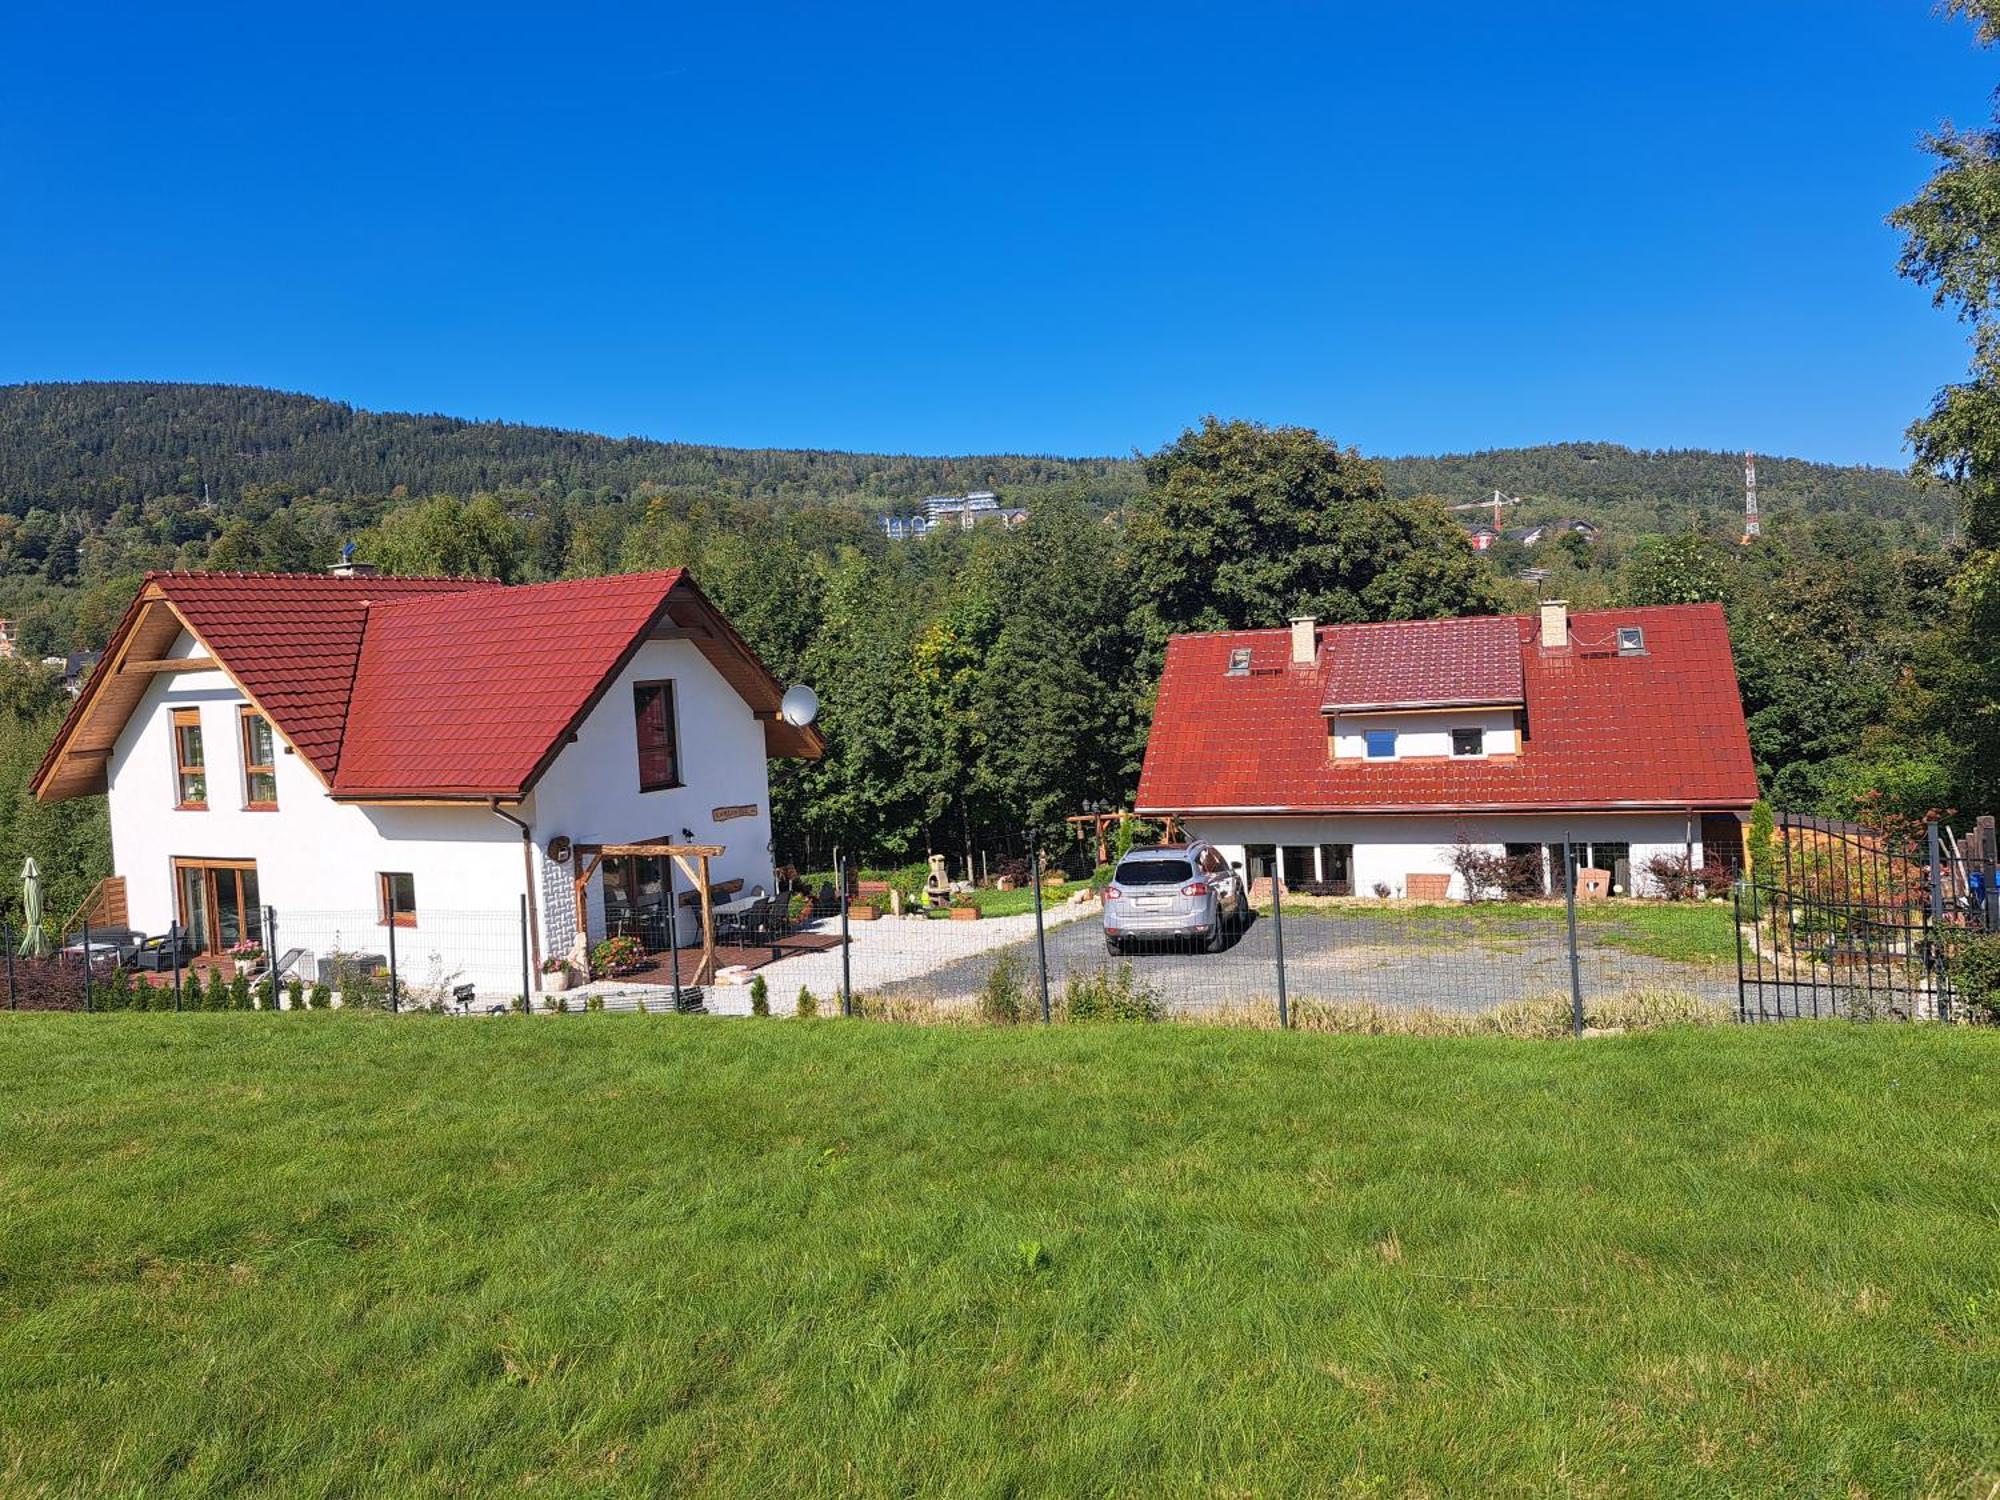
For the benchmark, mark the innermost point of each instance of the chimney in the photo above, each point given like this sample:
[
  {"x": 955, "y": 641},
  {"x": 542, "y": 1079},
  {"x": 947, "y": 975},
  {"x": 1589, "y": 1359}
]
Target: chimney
[
  {"x": 1555, "y": 624},
  {"x": 347, "y": 567},
  {"x": 1304, "y": 650}
]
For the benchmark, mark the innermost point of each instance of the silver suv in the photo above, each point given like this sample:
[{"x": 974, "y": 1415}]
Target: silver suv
[{"x": 1174, "y": 891}]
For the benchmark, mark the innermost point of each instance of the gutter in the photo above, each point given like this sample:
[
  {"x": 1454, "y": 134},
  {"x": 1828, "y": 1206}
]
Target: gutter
[
  {"x": 528, "y": 884},
  {"x": 1419, "y": 808}
]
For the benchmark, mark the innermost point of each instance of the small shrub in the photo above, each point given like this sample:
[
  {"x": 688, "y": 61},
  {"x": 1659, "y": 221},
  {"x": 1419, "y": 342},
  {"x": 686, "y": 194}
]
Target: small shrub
[
  {"x": 295, "y": 993},
  {"x": 217, "y": 995},
  {"x": 239, "y": 992},
  {"x": 760, "y": 996},
  {"x": 321, "y": 996},
  {"x": 1677, "y": 878},
  {"x": 518, "y": 1005},
  {"x": 192, "y": 996},
  {"x": 1110, "y": 995},
  {"x": 594, "y": 1002},
  {"x": 556, "y": 1005},
  {"x": 114, "y": 991},
  {"x": 1973, "y": 964},
  {"x": 798, "y": 907},
  {"x": 807, "y": 1005},
  {"x": 1001, "y": 997},
  {"x": 266, "y": 991}
]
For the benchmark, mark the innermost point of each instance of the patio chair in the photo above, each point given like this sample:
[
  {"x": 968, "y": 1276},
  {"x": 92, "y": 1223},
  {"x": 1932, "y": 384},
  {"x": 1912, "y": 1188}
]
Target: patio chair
[
  {"x": 756, "y": 925},
  {"x": 172, "y": 949}
]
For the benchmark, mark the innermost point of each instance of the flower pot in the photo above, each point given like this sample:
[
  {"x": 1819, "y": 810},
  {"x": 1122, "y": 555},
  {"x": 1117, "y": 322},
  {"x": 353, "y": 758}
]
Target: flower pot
[
  {"x": 863, "y": 911},
  {"x": 555, "y": 982},
  {"x": 965, "y": 914}
]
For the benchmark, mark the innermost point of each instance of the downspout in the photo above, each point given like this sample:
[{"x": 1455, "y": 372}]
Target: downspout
[{"x": 528, "y": 879}]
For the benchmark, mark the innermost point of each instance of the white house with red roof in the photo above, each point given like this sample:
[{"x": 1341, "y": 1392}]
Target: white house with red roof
[
  {"x": 422, "y": 754},
  {"x": 1356, "y": 759}
]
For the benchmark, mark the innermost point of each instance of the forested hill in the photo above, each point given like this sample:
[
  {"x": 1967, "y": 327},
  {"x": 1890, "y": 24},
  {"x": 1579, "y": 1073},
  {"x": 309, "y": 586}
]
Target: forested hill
[{"x": 92, "y": 447}]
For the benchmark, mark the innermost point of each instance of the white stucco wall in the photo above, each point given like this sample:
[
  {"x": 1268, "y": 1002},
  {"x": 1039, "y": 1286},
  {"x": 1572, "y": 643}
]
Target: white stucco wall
[
  {"x": 318, "y": 860},
  {"x": 1424, "y": 733},
  {"x": 591, "y": 794},
  {"x": 1388, "y": 849}
]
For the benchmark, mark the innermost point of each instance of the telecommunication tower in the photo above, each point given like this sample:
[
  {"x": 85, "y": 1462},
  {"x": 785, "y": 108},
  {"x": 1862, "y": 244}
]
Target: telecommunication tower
[{"x": 1752, "y": 526}]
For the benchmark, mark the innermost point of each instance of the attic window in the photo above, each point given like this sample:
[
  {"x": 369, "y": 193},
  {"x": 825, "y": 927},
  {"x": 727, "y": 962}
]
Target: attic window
[
  {"x": 1380, "y": 743},
  {"x": 1631, "y": 640},
  {"x": 1239, "y": 662}
]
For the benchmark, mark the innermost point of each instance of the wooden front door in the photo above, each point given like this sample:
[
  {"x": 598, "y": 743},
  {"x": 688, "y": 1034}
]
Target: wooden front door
[{"x": 218, "y": 902}]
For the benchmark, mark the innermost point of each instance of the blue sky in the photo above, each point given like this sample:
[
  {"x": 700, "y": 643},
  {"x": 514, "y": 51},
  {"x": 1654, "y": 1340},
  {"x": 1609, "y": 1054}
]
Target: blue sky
[{"x": 954, "y": 229}]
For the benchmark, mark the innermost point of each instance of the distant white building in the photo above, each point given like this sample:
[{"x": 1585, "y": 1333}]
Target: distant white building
[{"x": 966, "y": 511}]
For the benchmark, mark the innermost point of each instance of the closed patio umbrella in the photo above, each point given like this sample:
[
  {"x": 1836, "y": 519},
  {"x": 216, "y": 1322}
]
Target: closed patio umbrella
[{"x": 34, "y": 941}]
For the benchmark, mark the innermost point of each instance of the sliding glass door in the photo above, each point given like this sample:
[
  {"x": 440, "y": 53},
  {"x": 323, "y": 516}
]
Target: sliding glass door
[{"x": 218, "y": 902}]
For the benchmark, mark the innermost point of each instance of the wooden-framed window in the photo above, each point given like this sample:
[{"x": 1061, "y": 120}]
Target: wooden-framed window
[
  {"x": 190, "y": 770},
  {"x": 399, "y": 898},
  {"x": 659, "y": 748},
  {"x": 260, "y": 774},
  {"x": 217, "y": 902}
]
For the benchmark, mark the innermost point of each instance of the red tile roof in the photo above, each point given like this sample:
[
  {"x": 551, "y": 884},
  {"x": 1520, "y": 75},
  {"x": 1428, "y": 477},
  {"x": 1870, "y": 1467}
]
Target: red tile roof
[
  {"x": 292, "y": 640},
  {"x": 1423, "y": 663},
  {"x": 420, "y": 687},
  {"x": 466, "y": 694},
  {"x": 1659, "y": 730}
]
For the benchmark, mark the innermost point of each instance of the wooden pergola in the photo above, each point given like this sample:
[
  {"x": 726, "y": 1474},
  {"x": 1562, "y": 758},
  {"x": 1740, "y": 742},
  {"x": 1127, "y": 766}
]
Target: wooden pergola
[
  {"x": 692, "y": 860},
  {"x": 1100, "y": 821}
]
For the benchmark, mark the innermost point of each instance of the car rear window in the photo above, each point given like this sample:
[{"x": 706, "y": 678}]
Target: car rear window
[{"x": 1153, "y": 872}]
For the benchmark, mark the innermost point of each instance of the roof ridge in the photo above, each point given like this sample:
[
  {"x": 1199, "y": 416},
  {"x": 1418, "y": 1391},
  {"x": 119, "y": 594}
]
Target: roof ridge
[{"x": 326, "y": 578}]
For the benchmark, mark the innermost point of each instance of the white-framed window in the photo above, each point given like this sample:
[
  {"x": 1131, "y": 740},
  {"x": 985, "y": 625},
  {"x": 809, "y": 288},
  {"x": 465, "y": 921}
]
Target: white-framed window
[
  {"x": 1468, "y": 742},
  {"x": 1380, "y": 743}
]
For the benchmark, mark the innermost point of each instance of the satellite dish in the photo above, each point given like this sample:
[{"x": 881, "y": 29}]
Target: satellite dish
[{"x": 800, "y": 706}]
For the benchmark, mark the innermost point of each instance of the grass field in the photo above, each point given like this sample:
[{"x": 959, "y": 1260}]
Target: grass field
[
  {"x": 1689, "y": 932},
  {"x": 598, "y": 1255}
]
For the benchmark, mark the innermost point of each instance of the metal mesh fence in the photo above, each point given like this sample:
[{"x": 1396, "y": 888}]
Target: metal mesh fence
[{"x": 1042, "y": 942}]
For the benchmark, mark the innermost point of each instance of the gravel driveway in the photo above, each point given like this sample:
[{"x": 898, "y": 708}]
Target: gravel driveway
[{"x": 1336, "y": 956}]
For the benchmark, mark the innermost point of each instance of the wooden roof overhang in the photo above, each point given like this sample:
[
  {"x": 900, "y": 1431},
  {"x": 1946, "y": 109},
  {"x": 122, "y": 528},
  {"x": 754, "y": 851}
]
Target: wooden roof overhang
[{"x": 77, "y": 762}]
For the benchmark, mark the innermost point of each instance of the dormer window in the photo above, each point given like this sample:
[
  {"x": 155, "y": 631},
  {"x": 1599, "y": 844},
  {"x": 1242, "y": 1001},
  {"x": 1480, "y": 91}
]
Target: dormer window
[
  {"x": 1381, "y": 744},
  {"x": 1239, "y": 662}
]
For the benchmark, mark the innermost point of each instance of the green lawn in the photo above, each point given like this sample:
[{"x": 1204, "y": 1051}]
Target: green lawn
[
  {"x": 598, "y": 1255},
  {"x": 1695, "y": 932}
]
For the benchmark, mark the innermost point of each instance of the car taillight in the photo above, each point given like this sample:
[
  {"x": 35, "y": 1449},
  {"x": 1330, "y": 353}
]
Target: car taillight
[
  {"x": 1196, "y": 888},
  {"x": 1112, "y": 893}
]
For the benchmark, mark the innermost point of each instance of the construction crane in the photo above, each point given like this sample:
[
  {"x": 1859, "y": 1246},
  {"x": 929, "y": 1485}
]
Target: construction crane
[
  {"x": 1752, "y": 526},
  {"x": 1496, "y": 502}
]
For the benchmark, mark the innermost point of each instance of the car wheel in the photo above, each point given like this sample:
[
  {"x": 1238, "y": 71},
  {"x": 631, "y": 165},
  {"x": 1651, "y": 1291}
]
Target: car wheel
[
  {"x": 1218, "y": 937},
  {"x": 1112, "y": 946}
]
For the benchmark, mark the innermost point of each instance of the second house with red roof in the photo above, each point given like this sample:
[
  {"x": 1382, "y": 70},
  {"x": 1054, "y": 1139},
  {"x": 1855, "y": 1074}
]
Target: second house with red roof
[
  {"x": 1360, "y": 759},
  {"x": 424, "y": 760}
]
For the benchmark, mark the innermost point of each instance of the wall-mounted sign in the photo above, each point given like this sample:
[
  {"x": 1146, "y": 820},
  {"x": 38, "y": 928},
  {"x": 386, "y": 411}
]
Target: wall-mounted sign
[
  {"x": 742, "y": 810},
  {"x": 559, "y": 849}
]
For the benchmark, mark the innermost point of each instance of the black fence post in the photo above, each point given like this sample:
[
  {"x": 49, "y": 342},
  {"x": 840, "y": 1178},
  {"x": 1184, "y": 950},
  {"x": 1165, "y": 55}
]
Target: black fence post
[
  {"x": 7, "y": 936},
  {"x": 174, "y": 942},
  {"x": 673, "y": 920},
  {"x": 395, "y": 978},
  {"x": 1736, "y": 905},
  {"x": 846, "y": 956},
  {"x": 1575, "y": 959},
  {"x": 1940, "y": 974},
  {"x": 86, "y": 964},
  {"x": 1041, "y": 938},
  {"x": 527, "y": 993},
  {"x": 271, "y": 954},
  {"x": 1277, "y": 942}
]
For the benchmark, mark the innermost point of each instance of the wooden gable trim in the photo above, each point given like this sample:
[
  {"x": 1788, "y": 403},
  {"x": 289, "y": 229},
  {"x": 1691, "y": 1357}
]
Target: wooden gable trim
[{"x": 116, "y": 687}]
